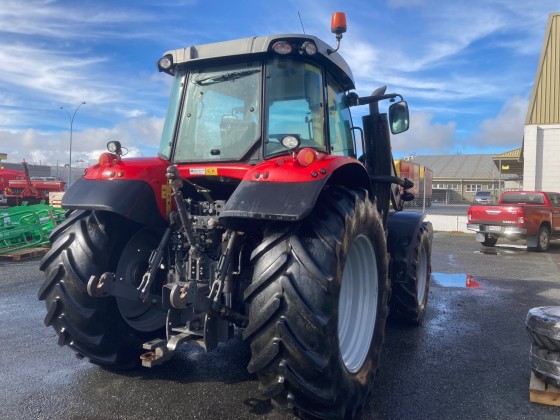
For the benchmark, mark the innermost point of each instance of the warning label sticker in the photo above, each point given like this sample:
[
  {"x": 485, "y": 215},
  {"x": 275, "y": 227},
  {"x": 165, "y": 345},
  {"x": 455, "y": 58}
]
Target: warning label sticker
[
  {"x": 203, "y": 171},
  {"x": 211, "y": 171}
]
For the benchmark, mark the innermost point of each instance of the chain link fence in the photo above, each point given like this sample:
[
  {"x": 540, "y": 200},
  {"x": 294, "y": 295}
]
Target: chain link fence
[{"x": 454, "y": 198}]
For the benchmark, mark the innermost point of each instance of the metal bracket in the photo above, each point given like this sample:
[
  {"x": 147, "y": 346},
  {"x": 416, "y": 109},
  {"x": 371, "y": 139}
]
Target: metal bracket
[
  {"x": 160, "y": 351},
  {"x": 101, "y": 286},
  {"x": 108, "y": 285}
]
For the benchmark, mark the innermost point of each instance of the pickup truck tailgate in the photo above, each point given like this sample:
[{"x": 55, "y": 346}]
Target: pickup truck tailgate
[{"x": 495, "y": 214}]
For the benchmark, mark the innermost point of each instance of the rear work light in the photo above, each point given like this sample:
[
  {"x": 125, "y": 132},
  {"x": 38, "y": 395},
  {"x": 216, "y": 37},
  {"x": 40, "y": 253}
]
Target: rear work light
[
  {"x": 309, "y": 48},
  {"x": 295, "y": 46},
  {"x": 165, "y": 64},
  {"x": 282, "y": 47},
  {"x": 290, "y": 142}
]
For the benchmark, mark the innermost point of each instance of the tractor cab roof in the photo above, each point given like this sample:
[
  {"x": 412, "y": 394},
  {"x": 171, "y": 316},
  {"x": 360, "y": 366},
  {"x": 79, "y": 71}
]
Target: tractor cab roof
[{"x": 262, "y": 46}]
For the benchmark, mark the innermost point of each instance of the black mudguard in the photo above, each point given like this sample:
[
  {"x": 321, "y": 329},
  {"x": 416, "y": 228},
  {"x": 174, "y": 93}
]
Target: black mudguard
[
  {"x": 255, "y": 201},
  {"x": 132, "y": 199},
  {"x": 402, "y": 227},
  {"x": 282, "y": 201}
]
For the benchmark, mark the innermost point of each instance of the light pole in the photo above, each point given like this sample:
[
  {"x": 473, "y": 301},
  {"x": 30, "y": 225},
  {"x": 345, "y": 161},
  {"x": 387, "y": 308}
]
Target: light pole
[{"x": 71, "y": 118}]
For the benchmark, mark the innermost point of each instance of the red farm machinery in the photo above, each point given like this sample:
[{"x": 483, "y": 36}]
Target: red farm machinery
[{"x": 23, "y": 188}]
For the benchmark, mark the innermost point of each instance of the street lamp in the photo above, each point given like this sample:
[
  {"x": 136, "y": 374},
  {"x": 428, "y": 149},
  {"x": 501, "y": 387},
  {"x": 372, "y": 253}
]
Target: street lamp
[{"x": 71, "y": 118}]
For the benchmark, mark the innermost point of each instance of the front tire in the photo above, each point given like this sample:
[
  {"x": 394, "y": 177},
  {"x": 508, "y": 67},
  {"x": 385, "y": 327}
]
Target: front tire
[
  {"x": 543, "y": 240},
  {"x": 318, "y": 306},
  {"x": 410, "y": 294},
  {"x": 88, "y": 243}
]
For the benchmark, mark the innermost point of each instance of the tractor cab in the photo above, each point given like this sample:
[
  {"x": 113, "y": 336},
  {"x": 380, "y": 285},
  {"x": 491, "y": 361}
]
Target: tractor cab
[
  {"x": 261, "y": 98},
  {"x": 252, "y": 99}
]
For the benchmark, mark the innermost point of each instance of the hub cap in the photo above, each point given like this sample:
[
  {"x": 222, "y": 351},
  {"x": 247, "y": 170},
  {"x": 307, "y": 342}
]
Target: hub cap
[
  {"x": 132, "y": 266},
  {"x": 543, "y": 239}
]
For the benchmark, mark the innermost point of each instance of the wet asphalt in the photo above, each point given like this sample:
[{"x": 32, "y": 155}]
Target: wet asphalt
[{"x": 470, "y": 359}]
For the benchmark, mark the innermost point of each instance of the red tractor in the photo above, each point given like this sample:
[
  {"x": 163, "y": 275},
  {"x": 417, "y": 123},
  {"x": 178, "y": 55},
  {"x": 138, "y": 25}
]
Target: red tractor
[{"x": 257, "y": 216}]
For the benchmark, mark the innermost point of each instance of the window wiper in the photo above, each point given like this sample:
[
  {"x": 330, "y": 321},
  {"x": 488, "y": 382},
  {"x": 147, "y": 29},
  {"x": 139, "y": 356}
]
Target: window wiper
[{"x": 225, "y": 77}]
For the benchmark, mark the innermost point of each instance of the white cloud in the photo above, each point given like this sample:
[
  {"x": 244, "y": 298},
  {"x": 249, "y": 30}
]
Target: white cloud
[
  {"x": 52, "y": 19},
  {"x": 424, "y": 136},
  {"x": 506, "y": 129},
  {"x": 137, "y": 135}
]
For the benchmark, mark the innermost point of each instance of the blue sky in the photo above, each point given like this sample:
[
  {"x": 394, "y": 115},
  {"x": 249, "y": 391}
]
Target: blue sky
[{"x": 465, "y": 67}]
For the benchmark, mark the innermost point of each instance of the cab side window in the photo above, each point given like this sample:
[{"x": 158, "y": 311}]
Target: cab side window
[{"x": 340, "y": 121}]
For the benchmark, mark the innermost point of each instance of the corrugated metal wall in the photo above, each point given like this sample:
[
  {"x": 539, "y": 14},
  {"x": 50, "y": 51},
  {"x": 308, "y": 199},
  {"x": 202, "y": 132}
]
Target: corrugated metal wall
[{"x": 544, "y": 107}]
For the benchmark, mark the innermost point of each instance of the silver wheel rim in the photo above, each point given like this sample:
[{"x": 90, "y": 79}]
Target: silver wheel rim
[
  {"x": 422, "y": 275},
  {"x": 543, "y": 238},
  {"x": 357, "y": 305}
]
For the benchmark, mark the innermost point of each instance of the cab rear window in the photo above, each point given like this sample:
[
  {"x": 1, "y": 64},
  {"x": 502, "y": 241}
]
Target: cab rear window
[{"x": 523, "y": 199}]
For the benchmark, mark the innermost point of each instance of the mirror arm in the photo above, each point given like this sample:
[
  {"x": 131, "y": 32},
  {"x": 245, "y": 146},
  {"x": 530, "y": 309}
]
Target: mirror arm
[{"x": 354, "y": 100}]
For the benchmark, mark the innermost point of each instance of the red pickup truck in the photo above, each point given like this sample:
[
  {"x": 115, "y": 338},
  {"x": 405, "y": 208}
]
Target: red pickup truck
[{"x": 530, "y": 215}]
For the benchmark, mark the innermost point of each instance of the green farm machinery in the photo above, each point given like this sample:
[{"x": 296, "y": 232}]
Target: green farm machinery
[{"x": 27, "y": 226}]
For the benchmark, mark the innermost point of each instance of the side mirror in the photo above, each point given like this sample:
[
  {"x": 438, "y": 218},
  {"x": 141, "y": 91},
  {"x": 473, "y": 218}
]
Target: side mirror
[{"x": 398, "y": 117}]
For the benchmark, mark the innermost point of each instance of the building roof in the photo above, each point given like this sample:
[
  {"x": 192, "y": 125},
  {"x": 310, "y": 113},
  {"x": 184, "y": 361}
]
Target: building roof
[
  {"x": 512, "y": 154},
  {"x": 544, "y": 107},
  {"x": 511, "y": 162},
  {"x": 470, "y": 167}
]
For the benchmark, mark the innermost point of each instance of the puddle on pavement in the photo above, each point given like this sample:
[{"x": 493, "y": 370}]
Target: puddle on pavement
[{"x": 462, "y": 280}]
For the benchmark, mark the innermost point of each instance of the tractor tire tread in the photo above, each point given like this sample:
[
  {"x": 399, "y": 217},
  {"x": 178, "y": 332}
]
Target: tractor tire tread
[
  {"x": 290, "y": 325},
  {"x": 92, "y": 327},
  {"x": 404, "y": 296}
]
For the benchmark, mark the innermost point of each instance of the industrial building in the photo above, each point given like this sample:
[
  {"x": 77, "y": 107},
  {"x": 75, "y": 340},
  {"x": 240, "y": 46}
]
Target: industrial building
[{"x": 541, "y": 137}]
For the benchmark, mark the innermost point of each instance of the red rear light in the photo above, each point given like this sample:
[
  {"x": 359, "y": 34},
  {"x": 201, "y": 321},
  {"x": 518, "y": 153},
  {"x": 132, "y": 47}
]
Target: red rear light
[
  {"x": 469, "y": 215},
  {"x": 306, "y": 156},
  {"x": 520, "y": 217}
]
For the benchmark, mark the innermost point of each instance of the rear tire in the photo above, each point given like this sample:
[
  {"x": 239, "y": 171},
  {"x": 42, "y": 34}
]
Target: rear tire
[
  {"x": 489, "y": 241},
  {"x": 89, "y": 243},
  {"x": 410, "y": 295},
  {"x": 318, "y": 306},
  {"x": 543, "y": 240}
]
